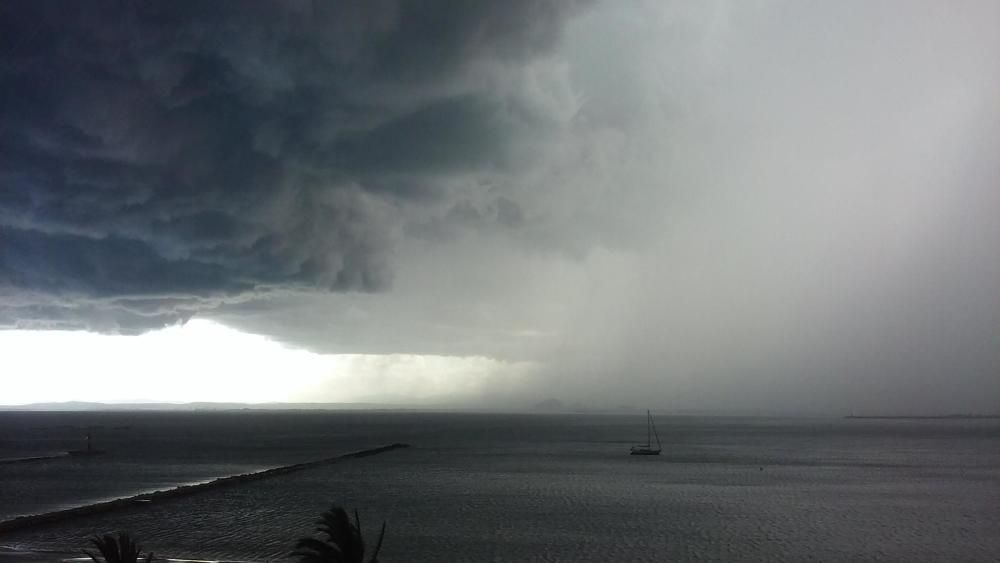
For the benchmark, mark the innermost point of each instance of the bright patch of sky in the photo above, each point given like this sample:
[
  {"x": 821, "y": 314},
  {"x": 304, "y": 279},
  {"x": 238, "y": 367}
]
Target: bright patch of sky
[{"x": 207, "y": 361}]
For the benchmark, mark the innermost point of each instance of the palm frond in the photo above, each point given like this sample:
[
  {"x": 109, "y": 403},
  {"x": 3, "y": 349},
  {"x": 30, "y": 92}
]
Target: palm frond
[
  {"x": 115, "y": 548},
  {"x": 312, "y": 549},
  {"x": 378, "y": 545},
  {"x": 343, "y": 542}
]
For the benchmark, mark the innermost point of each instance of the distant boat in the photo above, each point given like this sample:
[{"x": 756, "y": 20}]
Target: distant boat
[
  {"x": 87, "y": 452},
  {"x": 647, "y": 448}
]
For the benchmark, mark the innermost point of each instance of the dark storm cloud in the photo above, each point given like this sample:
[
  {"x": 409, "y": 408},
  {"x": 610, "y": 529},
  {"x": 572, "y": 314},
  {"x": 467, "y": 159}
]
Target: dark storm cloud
[
  {"x": 773, "y": 207},
  {"x": 208, "y": 150},
  {"x": 63, "y": 263}
]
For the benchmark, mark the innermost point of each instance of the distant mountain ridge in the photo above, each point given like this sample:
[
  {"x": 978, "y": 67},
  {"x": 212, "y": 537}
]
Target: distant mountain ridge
[
  {"x": 195, "y": 406},
  {"x": 922, "y": 417}
]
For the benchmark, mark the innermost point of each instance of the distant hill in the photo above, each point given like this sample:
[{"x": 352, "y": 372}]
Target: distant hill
[
  {"x": 197, "y": 406},
  {"x": 555, "y": 405},
  {"x": 924, "y": 417},
  {"x": 549, "y": 405}
]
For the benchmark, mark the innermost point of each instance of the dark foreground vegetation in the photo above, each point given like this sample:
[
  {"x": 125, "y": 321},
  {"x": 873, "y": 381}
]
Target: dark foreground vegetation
[{"x": 340, "y": 541}]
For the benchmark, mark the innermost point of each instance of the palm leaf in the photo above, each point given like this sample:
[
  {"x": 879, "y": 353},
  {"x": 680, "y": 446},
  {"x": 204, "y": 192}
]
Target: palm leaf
[
  {"x": 312, "y": 549},
  {"x": 378, "y": 545},
  {"x": 343, "y": 541},
  {"x": 115, "y": 548}
]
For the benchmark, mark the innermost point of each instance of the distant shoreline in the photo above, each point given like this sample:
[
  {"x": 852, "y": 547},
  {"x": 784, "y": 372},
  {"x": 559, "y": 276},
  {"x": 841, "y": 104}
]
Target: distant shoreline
[
  {"x": 41, "y": 556},
  {"x": 926, "y": 417}
]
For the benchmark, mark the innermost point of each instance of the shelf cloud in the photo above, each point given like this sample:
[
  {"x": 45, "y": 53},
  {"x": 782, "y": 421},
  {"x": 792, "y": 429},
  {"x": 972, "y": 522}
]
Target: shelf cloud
[
  {"x": 717, "y": 205},
  {"x": 161, "y": 158}
]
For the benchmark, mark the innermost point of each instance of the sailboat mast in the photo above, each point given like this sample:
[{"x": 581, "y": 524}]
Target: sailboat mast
[
  {"x": 649, "y": 422},
  {"x": 653, "y": 424}
]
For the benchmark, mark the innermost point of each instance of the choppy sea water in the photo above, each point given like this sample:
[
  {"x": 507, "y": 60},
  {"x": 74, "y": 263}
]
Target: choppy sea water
[{"x": 488, "y": 487}]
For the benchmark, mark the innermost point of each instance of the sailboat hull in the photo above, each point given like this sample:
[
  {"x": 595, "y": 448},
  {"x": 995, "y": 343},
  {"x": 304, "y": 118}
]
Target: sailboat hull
[{"x": 646, "y": 448}]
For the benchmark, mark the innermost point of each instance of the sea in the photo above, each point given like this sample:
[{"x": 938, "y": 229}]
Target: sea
[{"x": 514, "y": 487}]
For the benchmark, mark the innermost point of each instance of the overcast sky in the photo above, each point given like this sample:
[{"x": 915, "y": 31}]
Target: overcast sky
[{"x": 771, "y": 206}]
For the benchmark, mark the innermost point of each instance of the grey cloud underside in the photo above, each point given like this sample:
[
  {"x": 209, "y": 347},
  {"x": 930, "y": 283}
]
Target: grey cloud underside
[
  {"x": 695, "y": 205},
  {"x": 206, "y": 151}
]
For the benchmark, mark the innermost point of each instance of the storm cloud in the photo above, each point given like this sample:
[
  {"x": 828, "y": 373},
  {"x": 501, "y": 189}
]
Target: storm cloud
[
  {"x": 777, "y": 207},
  {"x": 157, "y": 159},
  {"x": 715, "y": 206}
]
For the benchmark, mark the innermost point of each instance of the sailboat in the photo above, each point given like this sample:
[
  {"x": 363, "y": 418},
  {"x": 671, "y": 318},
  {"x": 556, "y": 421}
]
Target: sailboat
[
  {"x": 87, "y": 452},
  {"x": 647, "y": 448}
]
